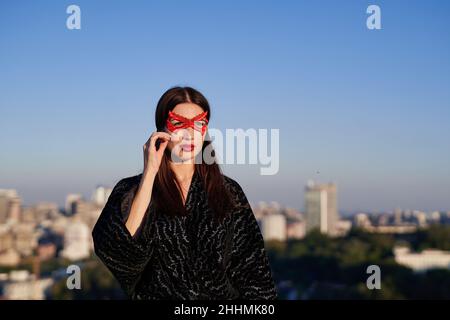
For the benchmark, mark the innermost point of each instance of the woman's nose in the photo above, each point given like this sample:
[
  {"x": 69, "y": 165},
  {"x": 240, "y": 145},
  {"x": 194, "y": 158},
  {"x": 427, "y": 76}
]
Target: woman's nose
[{"x": 188, "y": 134}]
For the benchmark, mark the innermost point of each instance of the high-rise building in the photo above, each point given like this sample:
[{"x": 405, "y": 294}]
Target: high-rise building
[
  {"x": 274, "y": 227},
  {"x": 100, "y": 195},
  {"x": 10, "y": 205},
  {"x": 321, "y": 207},
  {"x": 77, "y": 241}
]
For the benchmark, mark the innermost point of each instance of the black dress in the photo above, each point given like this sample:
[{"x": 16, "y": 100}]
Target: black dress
[{"x": 187, "y": 257}]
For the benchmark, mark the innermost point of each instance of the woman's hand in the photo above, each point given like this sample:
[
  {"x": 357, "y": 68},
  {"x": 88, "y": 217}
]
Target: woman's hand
[
  {"x": 152, "y": 161},
  {"x": 152, "y": 157}
]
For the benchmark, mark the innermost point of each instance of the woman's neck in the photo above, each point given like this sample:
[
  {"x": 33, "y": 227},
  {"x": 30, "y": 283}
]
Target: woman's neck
[{"x": 183, "y": 171}]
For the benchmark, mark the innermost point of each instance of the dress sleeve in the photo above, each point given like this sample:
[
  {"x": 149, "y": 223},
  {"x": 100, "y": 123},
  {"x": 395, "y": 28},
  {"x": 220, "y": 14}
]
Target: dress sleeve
[
  {"x": 249, "y": 264},
  {"x": 123, "y": 254}
]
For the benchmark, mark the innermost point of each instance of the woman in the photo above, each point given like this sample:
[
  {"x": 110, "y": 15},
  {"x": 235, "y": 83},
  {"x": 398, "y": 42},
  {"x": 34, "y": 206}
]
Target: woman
[{"x": 182, "y": 229}]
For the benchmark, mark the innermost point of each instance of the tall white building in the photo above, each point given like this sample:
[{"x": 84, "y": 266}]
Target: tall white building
[
  {"x": 321, "y": 207},
  {"x": 421, "y": 218},
  {"x": 10, "y": 205},
  {"x": 77, "y": 241},
  {"x": 100, "y": 195},
  {"x": 274, "y": 227}
]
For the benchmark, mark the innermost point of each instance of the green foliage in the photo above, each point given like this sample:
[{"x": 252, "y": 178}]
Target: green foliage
[
  {"x": 316, "y": 267},
  {"x": 320, "y": 267},
  {"x": 96, "y": 283},
  {"x": 436, "y": 236}
]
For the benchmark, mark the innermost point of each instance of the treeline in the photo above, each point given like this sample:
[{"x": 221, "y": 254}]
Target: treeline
[
  {"x": 316, "y": 267},
  {"x": 320, "y": 267}
]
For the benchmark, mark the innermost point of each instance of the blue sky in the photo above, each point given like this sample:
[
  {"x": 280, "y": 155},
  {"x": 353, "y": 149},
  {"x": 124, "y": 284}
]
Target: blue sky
[{"x": 367, "y": 109}]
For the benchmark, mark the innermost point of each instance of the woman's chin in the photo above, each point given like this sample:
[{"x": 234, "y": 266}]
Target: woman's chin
[{"x": 183, "y": 157}]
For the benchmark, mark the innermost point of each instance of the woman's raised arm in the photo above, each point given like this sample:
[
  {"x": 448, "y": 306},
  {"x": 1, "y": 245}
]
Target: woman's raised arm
[{"x": 124, "y": 254}]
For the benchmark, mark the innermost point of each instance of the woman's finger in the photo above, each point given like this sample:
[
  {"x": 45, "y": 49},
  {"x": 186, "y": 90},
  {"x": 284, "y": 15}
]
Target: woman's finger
[{"x": 161, "y": 135}]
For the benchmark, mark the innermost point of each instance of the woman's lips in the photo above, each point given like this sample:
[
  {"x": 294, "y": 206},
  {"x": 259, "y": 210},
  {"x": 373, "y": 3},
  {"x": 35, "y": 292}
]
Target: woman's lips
[{"x": 187, "y": 147}]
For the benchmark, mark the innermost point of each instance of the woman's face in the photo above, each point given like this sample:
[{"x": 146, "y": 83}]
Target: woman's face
[{"x": 191, "y": 142}]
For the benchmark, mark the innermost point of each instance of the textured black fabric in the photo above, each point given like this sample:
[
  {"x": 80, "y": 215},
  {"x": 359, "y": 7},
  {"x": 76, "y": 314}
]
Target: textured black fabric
[{"x": 191, "y": 257}]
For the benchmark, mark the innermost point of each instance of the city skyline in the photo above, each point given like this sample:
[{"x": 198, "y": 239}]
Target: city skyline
[
  {"x": 36, "y": 238},
  {"x": 102, "y": 192},
  {"x": 365, "y": 109}
]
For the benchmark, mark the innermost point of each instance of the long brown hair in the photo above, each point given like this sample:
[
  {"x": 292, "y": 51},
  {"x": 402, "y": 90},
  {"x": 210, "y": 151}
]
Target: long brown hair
[{"x": 167, "y": 195}]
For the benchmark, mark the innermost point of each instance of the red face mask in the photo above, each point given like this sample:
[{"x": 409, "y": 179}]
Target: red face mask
[{"x": 199, "y": 122}]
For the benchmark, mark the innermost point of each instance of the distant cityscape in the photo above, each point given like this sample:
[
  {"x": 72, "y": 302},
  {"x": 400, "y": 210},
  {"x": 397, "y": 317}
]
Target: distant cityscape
[{"x": 43, "y": 232}]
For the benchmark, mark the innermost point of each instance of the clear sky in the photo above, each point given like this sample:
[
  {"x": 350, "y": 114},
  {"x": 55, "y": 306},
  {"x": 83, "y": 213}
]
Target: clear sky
[{"x": 367, "y": 109}]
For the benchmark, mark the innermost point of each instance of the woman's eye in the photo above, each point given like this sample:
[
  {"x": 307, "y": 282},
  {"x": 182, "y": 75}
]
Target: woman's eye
[
  {"x": 199, "y": 123},
  {"x": 176, "y": 123}
]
